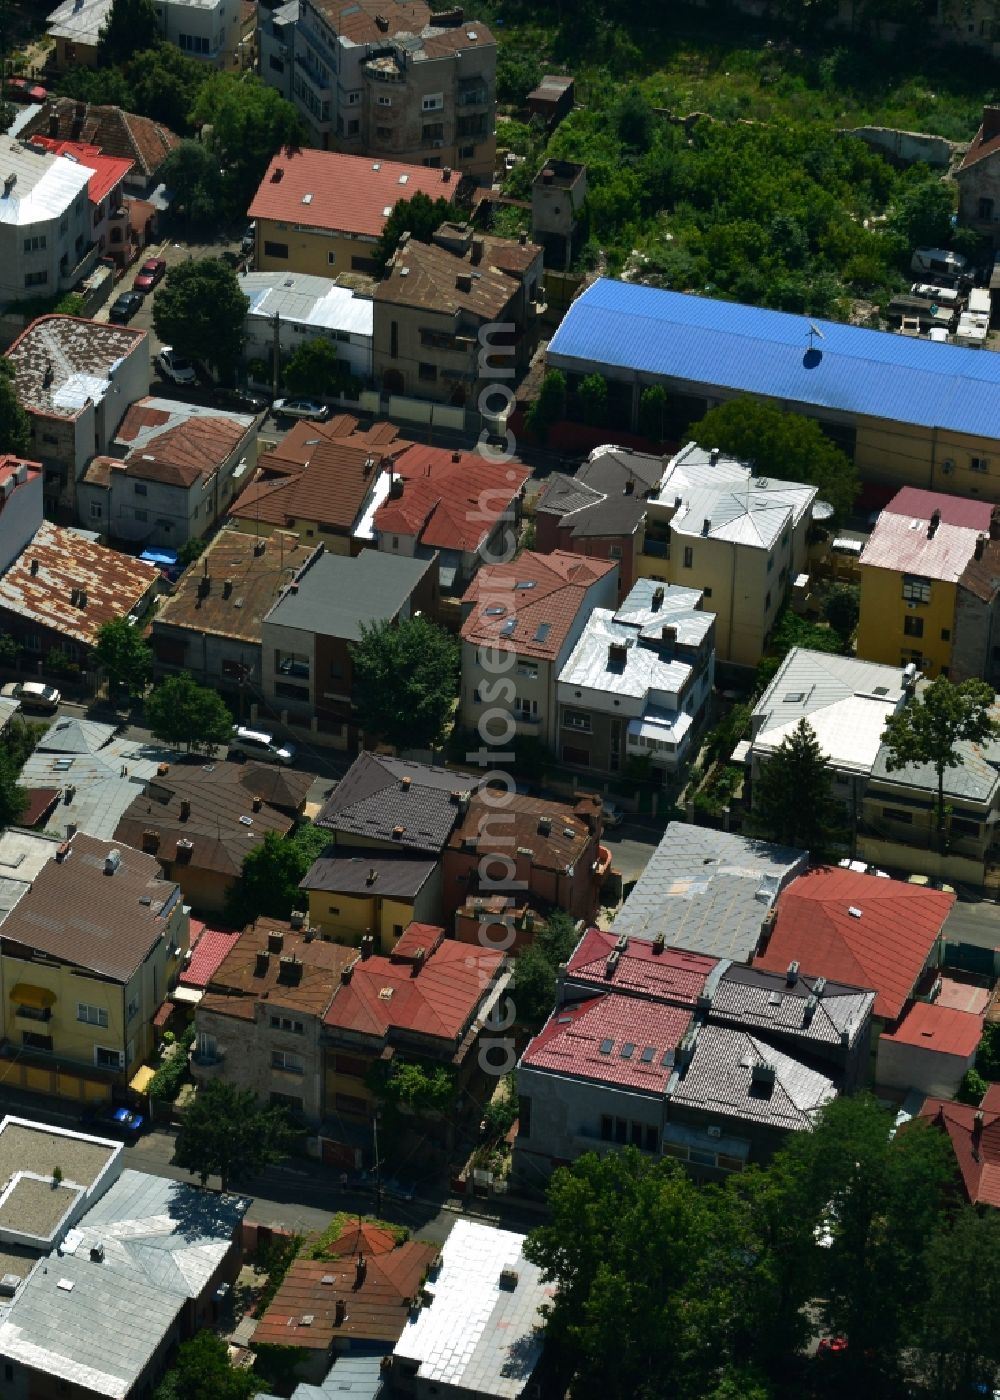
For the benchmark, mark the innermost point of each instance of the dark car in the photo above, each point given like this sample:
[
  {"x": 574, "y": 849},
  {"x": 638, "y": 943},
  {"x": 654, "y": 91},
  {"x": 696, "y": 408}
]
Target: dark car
[
  {"x": 114, "y": 1120},
  {"x": 125, "y": 308},
  {"x": 240, "y": 399}
]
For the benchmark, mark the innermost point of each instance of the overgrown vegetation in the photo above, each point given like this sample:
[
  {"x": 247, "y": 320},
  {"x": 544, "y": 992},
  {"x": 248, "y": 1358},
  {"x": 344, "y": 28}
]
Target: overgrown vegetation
[
  {"x": 269, "y": 882},
  {"x": 166, "y": 1083},
  {"x": 318, "y": 1246}
]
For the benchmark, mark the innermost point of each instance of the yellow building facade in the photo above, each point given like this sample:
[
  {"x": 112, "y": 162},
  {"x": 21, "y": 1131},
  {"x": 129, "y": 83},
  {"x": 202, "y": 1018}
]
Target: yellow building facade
[
  {"x": 906, "y": 618},
  {"x": 285, "y": 247},
  {"x": 347, "y": 918}
]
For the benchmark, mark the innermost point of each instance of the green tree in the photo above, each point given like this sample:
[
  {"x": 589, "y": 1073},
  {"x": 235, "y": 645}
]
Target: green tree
[
  {"x": 13, "y": 797},
  {"x": 536, "y": 967},
  {"x": 634, "y": 119},
  {"x": 842, "y": 608},
  {"x": 988, "y": 1053},
  {"x": 962, "y": 1306},
  {"x": 165, "y": 85},
  {"x": 15, "y": 426},
  {"x": 972, "y": 1088},
  {"x": 248, "y": 123},
  {"x": 191, "y": 173},
  {"x": 592, "y": 400},
  {"x": 200, "y": 311},
  {"x": 550, "y": 406},
  {"x": 518, "y": 73},
  {"x": 191, "y": 550},
  {"x": 202, "y": 1371},
  {"x": 179, "y": 711},
  {"x": 406, "y": 678},
  {"x": 272, "y": 872},
  {"x": 123, "y": 656},
  {"x": 652, "y": 412},
  {"x": 922, "y": 214},
  {"x": 930, "y": 728},
  {"x": 104, "y": 86},
  {"x": 793, "y": 795},
  {"x": 419, "y": 216},
  {"x": 783, "y": 445},
  {"x": 313, "y": 370},
  {"x": 127, "y": 29},
  {"x": 226, "y": 1131}
]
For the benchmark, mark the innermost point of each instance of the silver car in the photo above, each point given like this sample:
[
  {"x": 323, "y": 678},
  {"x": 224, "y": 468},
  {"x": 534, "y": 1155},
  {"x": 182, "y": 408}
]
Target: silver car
[{"x": 257, "y": 743}]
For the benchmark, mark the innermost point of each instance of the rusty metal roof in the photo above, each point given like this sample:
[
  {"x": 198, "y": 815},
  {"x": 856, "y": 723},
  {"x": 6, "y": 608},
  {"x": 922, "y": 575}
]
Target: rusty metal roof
[{"x": 62, "y": 361}]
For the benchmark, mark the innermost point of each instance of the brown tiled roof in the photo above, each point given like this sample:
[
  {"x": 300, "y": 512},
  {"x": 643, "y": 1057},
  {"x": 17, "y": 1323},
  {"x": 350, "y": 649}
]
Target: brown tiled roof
[
  {"x": 387, "y": 874},
  {"x": 259, "y": 570},
  {"x": 535, "y": 824},
  {"x": 219, "y": 794},
  {"x": 376, "y": 1296},
  {"x": 78, "y": 914},
  {"x": 449, "y": 500},
  {"x": 189, "y": 452},
  {"x": 395, "y": 800},
  {"x": 509, "y": 255},
  {"x": 326, "y": 477},
  {"x": 118, "y": 133},
  {"x": 982, "y": 576},
  {"x": 241, "y": 980},
  {"x": 979, "y": 1166},
  {"x": 436, "y": 280},
  {"x": 66, "y": 562},
  {"x": 541, "y": 593}
]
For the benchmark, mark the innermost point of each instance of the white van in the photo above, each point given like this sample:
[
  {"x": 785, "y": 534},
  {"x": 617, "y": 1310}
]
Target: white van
[{"x": 939, "y": 262}]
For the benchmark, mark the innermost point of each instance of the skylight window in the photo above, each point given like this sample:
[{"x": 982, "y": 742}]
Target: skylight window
[
  {"x": 647, "y": 1054},
  {"x": 795, "y": 697},
  {"x": 628, "y": 1050},
  {"x": 495, "y": 611},
  {"x": 507, "y": 630},
  {"x": 542, "y": 631},
  {"x": 524, "y": 583},
  {"x": 607, "y": 1046}
]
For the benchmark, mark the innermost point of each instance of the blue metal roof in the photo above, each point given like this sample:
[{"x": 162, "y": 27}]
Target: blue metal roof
[{"x": 750, "y": 350}]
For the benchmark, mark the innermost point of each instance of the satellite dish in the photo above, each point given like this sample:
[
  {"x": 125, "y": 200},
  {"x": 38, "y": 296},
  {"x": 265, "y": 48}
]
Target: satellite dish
[
  {"x": 822, "y": 510},
  {"x": 814, "y": 333}
]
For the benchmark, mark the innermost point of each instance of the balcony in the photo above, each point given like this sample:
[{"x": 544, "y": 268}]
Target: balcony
[
  {"x": 70, "y": 275},
  {"x": 657, "y": 549},
  {"x": 305, "y": 69}
]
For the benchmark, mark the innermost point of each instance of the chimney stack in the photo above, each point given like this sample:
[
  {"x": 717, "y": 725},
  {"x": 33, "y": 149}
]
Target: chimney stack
[
  {"x": 658, "y": 596},
  {"x": 995, "y": 523},
  {"x": 977, "y": 1133},
  {"x": 991, "y": 122},
  {"x": 792, "y": 975},
  {"x": 360, "y": 1270},
  {"x": 275, "y": 940},
  {"x": 981, "y": 544},
  {"x": 261, "y": 962},
  {"x": 340, "y": 1316},
  {"x": 185, "y": 809},
  {"x": 935, "y": 521}
]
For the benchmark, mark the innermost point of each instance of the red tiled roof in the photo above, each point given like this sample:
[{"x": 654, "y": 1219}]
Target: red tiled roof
[
  {"x": 571, "y": 1041},
  {"x": 899, "y": 544},
  {"x": 927, "y": 1026},
  {"x": 980, "y": 1174},
  {"x": 141, "y": 140},
  {"x": 885, "y": 949},
  {"x": 207, "y": 956},
  {"x": 556, "y": 591},
  {"x": 361, "y": 1237},
  {"x": 40, "y": 803},
  {"x": 980, "y": 149},
  {"x": 189, "y": 452},
  {"x": 672, "y": 974},
  {"x": 955, "y": 510},
  {"x": 417, "y": 937},
  {"x": 349, "y": 194},
  {"x": 451, "y": 500},
  {"x": 109, "y": 171},
  {"x": 437, "y": 997}
]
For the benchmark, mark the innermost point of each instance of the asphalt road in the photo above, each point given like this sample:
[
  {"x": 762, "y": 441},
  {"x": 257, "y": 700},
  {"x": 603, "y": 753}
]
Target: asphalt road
[{"x": 976, "y": 923}]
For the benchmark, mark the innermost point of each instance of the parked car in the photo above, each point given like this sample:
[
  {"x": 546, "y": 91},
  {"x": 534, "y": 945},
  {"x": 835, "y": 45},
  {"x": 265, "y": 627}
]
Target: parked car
[
  {"x": 177, "y": 368},
  {"x": 24, "y": 90},
  {"x": 611, "y": 812},
  {"x": 124, "y": 308},
  {"x": 301, "y": 408},
  {"x": 149, "y": 274},
  {"x": 831, "y": 1346},
  {"x": 257, "y": 743},
  {"x": 240, "y": 399},
  {"x": 249, "y": 237},
  {"x": 114, "y": 1120},
  {"x": 33, "y": 695},
  {"x": 941, "y": 261}
]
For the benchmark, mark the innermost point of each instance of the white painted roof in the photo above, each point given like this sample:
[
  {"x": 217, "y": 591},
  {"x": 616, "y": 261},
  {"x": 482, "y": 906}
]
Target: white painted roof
[
  {"x": 44, "y": 185},
  {"x": 79, "y": 21},
  {"x": 304, "y": 300}
]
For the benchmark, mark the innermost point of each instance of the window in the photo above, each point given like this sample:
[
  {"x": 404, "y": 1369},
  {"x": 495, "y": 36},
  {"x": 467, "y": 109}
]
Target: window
[
  {"x": 290, "y": 1101},
  {"x": 523, "y": 1116},
  {"x": 35, "y": 244},
  {"x": 913, "y": 626},
  {"x": 688, "y": 557},
  {"x": 133, "y": 1009},
  {"x": 91, "y": 1015},
  {"x": 432, "y": 131},
  {"x": 426, "y": 372},
  {"x": 580, "y": 758},
  {"x": 897, "y": 814},
  {"x": 35, "y": 279},
  {"x": 985, "y": 209},
  {"x": 979, "y": 464},
  {"x": 353, "y": 98},
  {"x": 276, "y": 64},
  {"x": 393, "y": 340},
  {"x": 96, "y": 510},
  {"x": 275, "y": 250},
  {"x": 615, "y": 552},
  {"x": 965, "y": 826},
  {"x": 288, "y": 1064},
  {"x": 607, "y": 1131},
  {"x": 107, "y": 1059},
  {"x": 383, "y": 132},
  {"x": 352, "y": 1065},
  {"x": 384, "y": 101},
  {"x": 140, "y": 488},
  {"x": 946, "y": 634},
  {"x": 651, "y": 1136},
  {"x": 524, "y": 708},
  {"x": 331, "y": 259},
  {"x": 193, "y": 43},
  {"x": 707, "y": 592},
  {"x": 350, "y": 1103},
  {"x": 353, "y": 127},
  {"x": 466, "y": 152},
  {"x": 621, "y": 1130},
  {"x": 916, "y": 588},
  {"x": 286, "y": 1023},
  {"x": 207, "y": 1046},
  {"x": 577, "y": 719},
  {"x": 433, "y": 102},
  {"x": 636, "y": 1134}
]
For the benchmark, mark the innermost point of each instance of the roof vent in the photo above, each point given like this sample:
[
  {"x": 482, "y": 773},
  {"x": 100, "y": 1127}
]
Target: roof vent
[
  {"x": 508, "y": 1280},
  {"x": 659, "y": 942},
  {"x": 9, "y": 1285},
  {"x": 854, "y": 911},
  {"x": 227, "y": 588},
  {"x": 276, "y": 175},
  {"x": 406, "y": 783},
  {"x": 397, "y": 833},
  {"x": 97, "y": 1252},
  {"x": 112, "y": 861},
  {"x": 763, "y": 1076},
  {"x": 792, "y": 974}
]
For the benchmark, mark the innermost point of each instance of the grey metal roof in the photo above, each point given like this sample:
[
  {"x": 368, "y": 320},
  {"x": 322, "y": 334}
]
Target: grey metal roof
[
  {"x": 644, "y": 669},
  {"x": 739, "y": 506},
  {"x": 762, "y": 1001},
  {"x": 356, "y": 1373},
  {"x": 70, "y": 735},
  {"x": 105, "y": 780},
  {"x": 385, "y": 873},
  {"x": 563, "y": 495},
  {"x": 680, "y": 608},
  {"x": 976, "y": 779},
  {"x": 708, "y": 890},
  {"x": 719, "y": 1080},
  {"x": 372, "y": 800},
  {"x": 337, "y": 595}
]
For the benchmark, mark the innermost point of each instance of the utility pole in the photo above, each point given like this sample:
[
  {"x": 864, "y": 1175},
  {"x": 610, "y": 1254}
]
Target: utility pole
[
  {"x": 276, "y": 354},
  {"x": 378, "y": 1165}
]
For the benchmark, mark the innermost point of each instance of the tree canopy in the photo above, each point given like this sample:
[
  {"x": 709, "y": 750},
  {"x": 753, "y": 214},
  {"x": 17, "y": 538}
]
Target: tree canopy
[
  {"x": 782, "y": 445},
  {"x": 249, "y": 122},
  {"x": 313, "y": 370},
  {"x": 225, "y": 1131},
  {"x": 549, "y": 408},
  {"x": 406, "y": 680},
  {"x": 123, "y": 655},
  {"x": 272, "y": 871},
  {"x": 202, "y": 1371},
  {"x": 419, "y": 216},
  {"x": 179, "y": 711},
  {"x": 15, "y": 426},
  {"x": 129, "y": 26},
  {"x": 930, "y": 728},
  {"x": 793, "y": 794},
  {"x": 536, "y": 967},
  {"x": 200, "y": 311},
  {"x": 191, "y": 172}
]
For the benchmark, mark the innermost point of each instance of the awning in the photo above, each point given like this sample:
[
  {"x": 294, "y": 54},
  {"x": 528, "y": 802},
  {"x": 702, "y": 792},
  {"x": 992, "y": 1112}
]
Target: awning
[
  {"x": 163, "y": 1014},
  {"x": 191, "y": 996},
  {"x": 25, "y": 994},
  {"x": 142, "y": 1079}
]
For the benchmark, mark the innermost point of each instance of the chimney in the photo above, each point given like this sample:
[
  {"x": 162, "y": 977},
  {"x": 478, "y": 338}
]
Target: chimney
[
  {"x": 544, "y": 826},
  {"x": 185, "y": 809},
  {"x": 151, "y": 842},
  {"x": 397, "y": 833},
  {"x": 668, "y": 632},
  {"x": 53, "y": 123},
  {"x": 346, "y": 973},
  {"x": 548, "y": 175},
  {"x": 658, "y": 596},
  {"x": 995, "y": 523},
  {"x": 406, "y": 783},
  {"x": 935, "y": 521},
  {"x": 762, "y": 1078},
  {"x": 297, "y": 918},
  {"x": 290, "y": 970},
  {"x": 991, "y": 123},
  {"x": 476, "y": 256},
  {"x": 617, "y": 654},
  {"x": 257, "y": 804},
  {"x": 706, "y": 525},
  {"x": 980, "y": 545},
  {"x": 367, "y": 946},
  {"x": 275, "y": 940},
  {"x": 560, "y": 984},
  {"x": 629, "y": 489},
  {"x": 463, "y": 282},
  {"x": 184, "y": 849},
  {"x": 446, "y": 174},
  {"x": 713, "y": 456},
  {"x": 456, "y": 457},
  {"x": 340, "y": 1316},
  {"x": 659, "y": 942},
  {"x": 62, "y": 851},
  {"x": 977, "y": 1133},
  {"x": 792, "y": 974},
  {"x": 34, "y": 567},
  {"x": 112, "y": 861},
  {"x": 522, "y": 238},
  {"x": 372, "y": 876},
  {"x": 361, "y": 1268},
  {"x": 261, "y": 962},
  {"x": 382, "y": 24},
  {"x": 227, "y": 588},
  {"x": 276, "y": 175}
]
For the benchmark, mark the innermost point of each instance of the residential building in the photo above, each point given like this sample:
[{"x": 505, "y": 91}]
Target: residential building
[
  {"x": 209, "y": 949},
  {"x": 385, "y": 803},
  {"x": 532, "y": 611},
  {"x": 975, "y": 1140},
  {"x": 288, "y": 310},
  {"x": 307, "y": 671},
  {"x": 485, "y": 1291},
  {"x": 430, "y": 1000},
  {"x": 275, "y": 39},
  {"x": 879, "y": 933},
  {"x": 30, "y": 1223},
  {"x": 203, "y": 29},
  {"x": 845, "y": 701},
  {"x": 709, "y": 891},
  {"x": 22, "y": 855},
  {"x": 898, "y": 824},
  {"x": 558, "y": 194},
  {"x": 975, "y": 643},
  {"x": 86, "y": 958},
  {"x": 931, "y": 1049},
  {"x": 456, "y": 505},
  {"x": 978, "y": 177},
  {"x": 545, "y": 852},
  {"x": 45, "y": 217},
  {"x": 322, "y": 212},
  {"x": 601, "y": 510},
  {"x": 638, "y": 682},
  {"x": 909, "y": 412},
  {"x": 325, "y": 484},
  {"x": 76, "y": 379},
  {"x": 63, "y": 587},
  {"x": 435, "y": 310},
  {"x": 356, "y": 895},
  {"x": 912, "y": 570},
  {"x": 742, "y": 539},
  {"x": 143, "y": 142},
  {"x": 109, "y": 213},
  {"x": 175, "y": 471},
  {"x": 357, "y": 1299},
  {"x": 20, "y": 506},
  {"x": 259, "y": 1022},
  {"x": 211, "y": 624},
  {"x": 517, "y": 258},
  {"x": 199, "y": 820},
  {"x": 412, "y": 86}
]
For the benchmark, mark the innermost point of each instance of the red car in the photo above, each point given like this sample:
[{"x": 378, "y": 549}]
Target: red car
[
  {"x": 149, "y": 274},
  {"x": 24, "y": 90},
  {"x": 831, "y": 1346}
]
